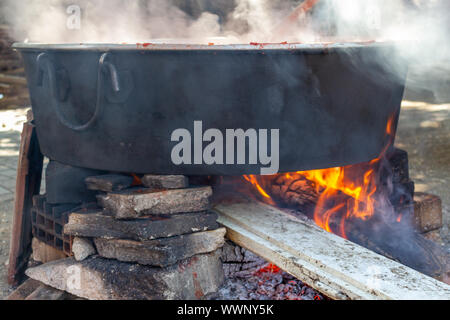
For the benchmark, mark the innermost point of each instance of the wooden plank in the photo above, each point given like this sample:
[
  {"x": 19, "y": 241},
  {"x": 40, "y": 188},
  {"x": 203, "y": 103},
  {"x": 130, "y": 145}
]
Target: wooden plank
[
  {"x": 427, "y": 212},
  {"x": 10, "y": 79},
  {"x": 324, "y": 261},
  {"x": 15, "y": 71},
  {"x": 24, "y": 290},
  {"x": 46, "y": 293},
  {"x": 9, "y": 63},
  {"x": 6, "y": 88},
  {"x": 28, "y": 182},
  {"x": 14, "y": 101}
]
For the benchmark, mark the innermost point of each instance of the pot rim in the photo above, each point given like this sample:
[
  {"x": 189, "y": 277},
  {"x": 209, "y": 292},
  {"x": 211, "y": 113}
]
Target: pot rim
[{"x": 160, "y": 46}]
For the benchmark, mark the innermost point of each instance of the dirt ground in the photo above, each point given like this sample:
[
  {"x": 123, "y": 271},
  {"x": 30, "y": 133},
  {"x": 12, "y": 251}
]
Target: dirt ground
[
  {"x": 424, "y": 131},
  {"x": 6, "y": 208}
]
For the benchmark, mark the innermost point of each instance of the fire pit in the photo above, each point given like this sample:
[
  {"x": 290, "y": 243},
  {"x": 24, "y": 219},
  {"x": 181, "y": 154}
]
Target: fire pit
[{"x": 153, "y": 128}]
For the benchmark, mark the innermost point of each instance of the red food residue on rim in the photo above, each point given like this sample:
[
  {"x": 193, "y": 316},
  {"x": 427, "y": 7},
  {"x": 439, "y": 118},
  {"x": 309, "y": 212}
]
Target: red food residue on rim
[
  {"x": 261, "y": 45},
  {"x": 144, "y": 45}
]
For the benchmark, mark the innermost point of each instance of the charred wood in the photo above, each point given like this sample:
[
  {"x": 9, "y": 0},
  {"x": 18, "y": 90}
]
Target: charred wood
[
  {"x": 239, "y": 262},
  {"x": 24, "y": 290},
  {"x": 401, "y": 243},
  {"x": 10, "y": 79},
  {"x": 296, "y": 191},
  {"x": 44, "y": 292}
]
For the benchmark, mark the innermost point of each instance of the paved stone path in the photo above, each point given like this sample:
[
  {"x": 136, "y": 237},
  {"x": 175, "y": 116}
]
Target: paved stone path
[
  {"x": 11, "y": 122},
  {"x": 10, "y": 128}
]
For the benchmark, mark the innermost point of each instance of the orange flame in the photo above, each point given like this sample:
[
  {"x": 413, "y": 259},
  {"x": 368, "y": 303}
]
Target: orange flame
[
  {"x": 357, "y": 182},
  {"x": 253, "y": 179},
  {"x": 136, "y": 180},
  {"x": 360, "y": 204}
]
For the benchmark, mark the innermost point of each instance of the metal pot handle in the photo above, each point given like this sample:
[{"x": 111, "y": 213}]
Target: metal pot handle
[{"x": 119, "y": 93}]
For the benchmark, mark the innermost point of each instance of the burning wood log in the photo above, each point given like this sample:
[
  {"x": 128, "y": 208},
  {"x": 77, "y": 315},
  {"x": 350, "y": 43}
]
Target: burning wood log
[
  {"x": 386, "y": 229},
  {"x": 238, "y": 262},
  {"x": 295, "y": 191}
]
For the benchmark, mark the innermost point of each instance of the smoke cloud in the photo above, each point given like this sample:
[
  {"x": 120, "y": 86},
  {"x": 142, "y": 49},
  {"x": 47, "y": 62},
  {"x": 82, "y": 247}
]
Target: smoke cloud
[{"x": 232, "y": 21}]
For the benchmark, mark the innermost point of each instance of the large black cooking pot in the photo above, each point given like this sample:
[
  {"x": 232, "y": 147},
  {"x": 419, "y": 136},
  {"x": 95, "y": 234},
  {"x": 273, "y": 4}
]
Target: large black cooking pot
[{"x": 114, "y": 107}]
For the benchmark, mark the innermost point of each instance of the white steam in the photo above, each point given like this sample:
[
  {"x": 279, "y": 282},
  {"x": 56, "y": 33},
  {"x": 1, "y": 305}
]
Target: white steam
[
  {"x": 238, "y": 21},
  {"x": 422, "y": 24}
]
